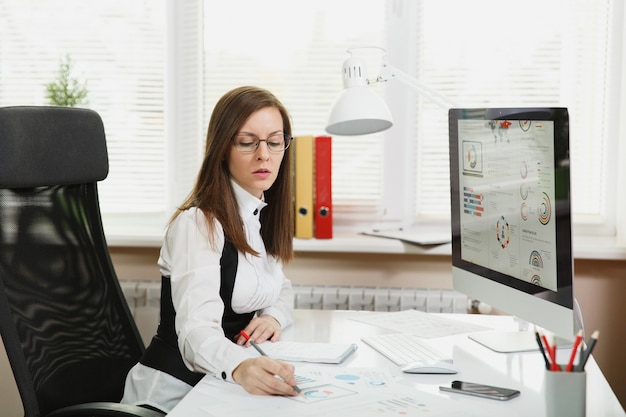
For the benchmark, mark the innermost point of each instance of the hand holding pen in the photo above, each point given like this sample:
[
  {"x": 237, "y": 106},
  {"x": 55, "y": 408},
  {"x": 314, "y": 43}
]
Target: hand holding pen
[{"x": 258, "y": 348}]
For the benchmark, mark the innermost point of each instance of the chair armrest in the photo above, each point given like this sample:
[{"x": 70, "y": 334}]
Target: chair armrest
[{"x": 104, "y": 409}]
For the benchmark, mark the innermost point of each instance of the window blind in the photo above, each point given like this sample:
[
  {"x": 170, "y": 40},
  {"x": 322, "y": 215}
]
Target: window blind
[
  {"x": 117, "y": 49},
  {"x": 154, "y": 71},
  {"x": 298, "y": 54},
  {"x": 547, "y": 53}
]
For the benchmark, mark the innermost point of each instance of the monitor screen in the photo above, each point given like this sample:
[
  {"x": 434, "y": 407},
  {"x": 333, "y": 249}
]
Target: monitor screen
[{"x": 511, "y": 225}]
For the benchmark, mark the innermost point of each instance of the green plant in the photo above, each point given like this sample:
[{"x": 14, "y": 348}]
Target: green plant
[{"x": 66, "y": 90}]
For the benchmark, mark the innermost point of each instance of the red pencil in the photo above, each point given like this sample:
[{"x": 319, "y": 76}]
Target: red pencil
[
  {"x": 552, "y": 353},
  {"x": 577, "y": 341}
]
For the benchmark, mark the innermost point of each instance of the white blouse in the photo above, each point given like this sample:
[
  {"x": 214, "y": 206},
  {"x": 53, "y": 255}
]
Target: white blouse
[{"x": 193, "y": 267}]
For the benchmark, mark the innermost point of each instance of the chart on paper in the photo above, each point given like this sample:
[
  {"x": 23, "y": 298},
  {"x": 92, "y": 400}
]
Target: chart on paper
[{"x": 318, "y": 384}]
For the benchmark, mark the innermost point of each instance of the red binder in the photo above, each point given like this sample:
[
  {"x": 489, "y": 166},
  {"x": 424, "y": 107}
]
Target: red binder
[{"x": 323, "y": 188}]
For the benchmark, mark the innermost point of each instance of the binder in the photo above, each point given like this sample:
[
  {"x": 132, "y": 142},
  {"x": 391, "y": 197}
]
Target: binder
[
  {"x": 304, "y": 186},
  {"x": 323, "y": 188}
]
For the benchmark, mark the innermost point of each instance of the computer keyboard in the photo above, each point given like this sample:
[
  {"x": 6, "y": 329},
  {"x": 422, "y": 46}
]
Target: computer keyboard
[{"x": 404, "y": 348}]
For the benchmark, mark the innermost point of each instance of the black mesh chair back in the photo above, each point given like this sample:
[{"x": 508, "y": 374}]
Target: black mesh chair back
[{"x": 65, "y": 324}]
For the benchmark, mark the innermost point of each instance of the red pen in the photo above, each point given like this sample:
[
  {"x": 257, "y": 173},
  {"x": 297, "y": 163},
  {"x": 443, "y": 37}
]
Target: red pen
[
  {"x": 252, "y": 342},
  {"x": 552, "y": 353},
  {"x": 577, "y": 341}
]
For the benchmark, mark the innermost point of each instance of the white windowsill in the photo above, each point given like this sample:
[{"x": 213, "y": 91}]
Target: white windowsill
[
  {"x": 359, "y": 243},
  {"x": 587, "y": 247}
]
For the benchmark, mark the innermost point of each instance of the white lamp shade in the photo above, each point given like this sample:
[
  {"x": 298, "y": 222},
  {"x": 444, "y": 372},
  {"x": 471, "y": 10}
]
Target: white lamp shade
[{"x": 358, "y": 111}]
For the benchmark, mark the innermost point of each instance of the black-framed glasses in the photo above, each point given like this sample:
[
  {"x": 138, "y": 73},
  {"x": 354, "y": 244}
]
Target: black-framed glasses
[{"x": 249, "y": 143}]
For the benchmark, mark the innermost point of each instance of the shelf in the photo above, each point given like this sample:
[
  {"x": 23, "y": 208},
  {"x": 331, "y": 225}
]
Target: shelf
[
  {"x": 585, "y": 247},
  {"x": 359, "y": 243}
]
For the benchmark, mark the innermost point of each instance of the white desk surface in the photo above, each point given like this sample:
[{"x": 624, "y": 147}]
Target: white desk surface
[{"x": 522, "y": 371}]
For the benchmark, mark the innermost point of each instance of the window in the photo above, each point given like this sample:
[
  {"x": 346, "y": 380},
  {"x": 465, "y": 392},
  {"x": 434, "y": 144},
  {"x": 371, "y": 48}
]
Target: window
[
  {"x": 546, "y": 53},
  {"x": 154, "y": 71},
  {"x": 297, "y": 54},
  {"x": 117, "y": 48}
]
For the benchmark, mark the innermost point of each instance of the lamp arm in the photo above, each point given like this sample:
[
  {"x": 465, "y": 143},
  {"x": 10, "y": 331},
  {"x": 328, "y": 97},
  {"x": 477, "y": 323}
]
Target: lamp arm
[{"x": 388, "y": 71}]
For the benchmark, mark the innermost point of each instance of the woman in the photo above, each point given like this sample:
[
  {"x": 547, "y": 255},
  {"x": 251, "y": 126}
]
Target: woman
[{"x": 221, "y": 261}]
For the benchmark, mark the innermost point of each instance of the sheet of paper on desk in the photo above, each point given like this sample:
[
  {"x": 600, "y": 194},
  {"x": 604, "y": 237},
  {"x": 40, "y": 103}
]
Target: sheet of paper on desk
[
  {"x": 426, "y": 325},
  {"x": 331, "y": 394},
  {"x": 334, "y": 353},
  {"x": 358, "y": 379}
]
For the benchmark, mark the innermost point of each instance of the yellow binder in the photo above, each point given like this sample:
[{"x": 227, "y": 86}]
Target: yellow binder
[{"x": 304, "y": 186}]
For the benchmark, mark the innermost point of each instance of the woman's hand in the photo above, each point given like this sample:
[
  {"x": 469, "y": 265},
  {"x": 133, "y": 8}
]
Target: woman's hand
[
  {"x": 265, "y": 376},
  {"x": 260, "y": 329}
]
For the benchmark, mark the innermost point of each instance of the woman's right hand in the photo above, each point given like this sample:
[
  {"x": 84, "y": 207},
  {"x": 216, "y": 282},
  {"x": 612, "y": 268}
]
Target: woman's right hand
[{"x": 265, "y": 376}]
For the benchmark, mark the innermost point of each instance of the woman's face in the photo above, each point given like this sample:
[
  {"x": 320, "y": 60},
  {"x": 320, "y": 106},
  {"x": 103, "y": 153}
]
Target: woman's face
[{"x": 256, "y": 171}]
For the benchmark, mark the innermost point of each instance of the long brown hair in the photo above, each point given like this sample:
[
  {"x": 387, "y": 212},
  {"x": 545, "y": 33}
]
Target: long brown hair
[{"x": 213, "y": 193}]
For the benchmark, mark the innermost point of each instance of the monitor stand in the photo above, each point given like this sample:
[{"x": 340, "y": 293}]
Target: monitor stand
[
  {"x": 510, "y": 342},
  {"x": 507, "y": 342},
  {"x": 524, "y": 340}
]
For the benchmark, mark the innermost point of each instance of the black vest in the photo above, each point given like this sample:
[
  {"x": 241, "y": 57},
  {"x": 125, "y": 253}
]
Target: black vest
[{"x": 163, "y": 353}]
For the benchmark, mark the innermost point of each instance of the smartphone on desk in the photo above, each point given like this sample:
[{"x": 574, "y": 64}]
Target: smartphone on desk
[{"x": 480, "y": 390}]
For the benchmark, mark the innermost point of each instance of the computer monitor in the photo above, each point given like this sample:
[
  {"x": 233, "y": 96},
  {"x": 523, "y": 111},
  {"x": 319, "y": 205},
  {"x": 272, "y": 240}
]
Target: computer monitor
[{"x": 511, "y": 217}]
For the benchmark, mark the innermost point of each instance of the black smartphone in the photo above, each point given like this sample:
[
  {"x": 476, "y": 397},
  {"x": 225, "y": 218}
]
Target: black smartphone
[{"x": 480, "y": 390}]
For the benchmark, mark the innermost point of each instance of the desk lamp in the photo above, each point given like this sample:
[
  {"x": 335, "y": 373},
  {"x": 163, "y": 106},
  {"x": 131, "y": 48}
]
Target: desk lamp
[{"x": 358, "y": 110}]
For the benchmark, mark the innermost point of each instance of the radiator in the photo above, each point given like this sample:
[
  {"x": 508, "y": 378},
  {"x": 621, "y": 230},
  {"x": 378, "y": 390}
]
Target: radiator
[
  {"x": 379, "y": 299},
  {"x": 143, "y": 298}
]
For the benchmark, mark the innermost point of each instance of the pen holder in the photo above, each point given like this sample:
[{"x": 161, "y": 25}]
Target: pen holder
[{"x": 565, "y": 393}]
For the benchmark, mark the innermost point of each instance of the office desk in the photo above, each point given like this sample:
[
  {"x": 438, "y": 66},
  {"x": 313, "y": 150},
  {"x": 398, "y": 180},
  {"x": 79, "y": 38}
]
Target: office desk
[{"x": 522, "y": 371}]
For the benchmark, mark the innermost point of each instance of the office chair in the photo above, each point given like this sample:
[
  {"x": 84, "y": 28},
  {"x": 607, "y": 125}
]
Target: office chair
[{"x": 65, "y": 324}]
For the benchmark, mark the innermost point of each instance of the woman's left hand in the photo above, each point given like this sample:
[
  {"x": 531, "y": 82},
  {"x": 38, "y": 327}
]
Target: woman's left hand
[{"x": 260, "y": 329}]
